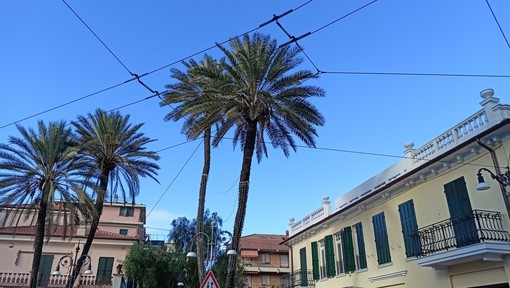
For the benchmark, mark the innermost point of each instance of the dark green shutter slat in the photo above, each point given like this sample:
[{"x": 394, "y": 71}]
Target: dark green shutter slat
[
  {"x": 348, "y": 250},
  {"x": 361, "y": 246},
  {"x": 315, "y": 261},
  {"x": 330, "y": 256},
  {"x": 304, "y": 269},
  {"x": 381, "y": 239}
]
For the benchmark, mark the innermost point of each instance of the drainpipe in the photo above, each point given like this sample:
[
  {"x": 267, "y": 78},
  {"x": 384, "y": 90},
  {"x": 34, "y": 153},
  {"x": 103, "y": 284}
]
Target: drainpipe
[{"x": 498, "y": 172}]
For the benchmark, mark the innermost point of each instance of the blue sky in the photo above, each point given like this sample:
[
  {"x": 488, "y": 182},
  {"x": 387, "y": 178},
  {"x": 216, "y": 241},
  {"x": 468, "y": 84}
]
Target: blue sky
[{"x": 48, "y": 58}]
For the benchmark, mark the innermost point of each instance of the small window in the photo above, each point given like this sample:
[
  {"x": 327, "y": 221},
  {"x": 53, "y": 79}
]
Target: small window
[
  {"x": 123, "y": 231},
  {"x": 266, "y": 258},
  {"x": 127, "y": 211},
  {"x": 266, "y": 279},
  {"x": 381, "y": 239},
  {"x": 284, "y": 261}
]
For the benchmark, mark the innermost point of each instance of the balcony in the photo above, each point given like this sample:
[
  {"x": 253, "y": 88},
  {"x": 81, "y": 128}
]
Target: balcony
[
  {"x": 22, "y": 280},
  {"x": 478, "y": 235},
  {"x": 298, "y": 278}
]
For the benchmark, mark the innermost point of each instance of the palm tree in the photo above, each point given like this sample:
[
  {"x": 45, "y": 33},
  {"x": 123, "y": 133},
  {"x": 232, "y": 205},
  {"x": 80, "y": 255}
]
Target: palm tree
[
  {"x": 40, "y": 172},
  {"x": 117, "y": 155},
  {"x": 269, "y": 99},
  {"x": 190, "y": 93}
]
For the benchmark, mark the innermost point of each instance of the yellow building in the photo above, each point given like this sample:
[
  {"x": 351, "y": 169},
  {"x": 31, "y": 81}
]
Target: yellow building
[
  {"x": 119, "y": 228},
  {"x": 421, "y": 222}
]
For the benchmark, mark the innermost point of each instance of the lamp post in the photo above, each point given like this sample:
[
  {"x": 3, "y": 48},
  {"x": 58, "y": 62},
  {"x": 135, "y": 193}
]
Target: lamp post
[
  {"x": 69, "y": 262},
  {"x": 211, "y": 243}
]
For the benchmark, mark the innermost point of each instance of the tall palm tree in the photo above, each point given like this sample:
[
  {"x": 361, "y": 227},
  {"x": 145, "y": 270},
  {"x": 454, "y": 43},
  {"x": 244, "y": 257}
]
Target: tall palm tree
[
  {"x": 117, "y": 156},
  {"x": 190, "y": 94},
  {"x": 270, "y": 99},
  {"x": 40, "y": 172}
]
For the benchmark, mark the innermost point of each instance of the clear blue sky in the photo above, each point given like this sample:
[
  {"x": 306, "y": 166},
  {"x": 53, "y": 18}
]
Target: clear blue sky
[{"x": 49, "y": 58}]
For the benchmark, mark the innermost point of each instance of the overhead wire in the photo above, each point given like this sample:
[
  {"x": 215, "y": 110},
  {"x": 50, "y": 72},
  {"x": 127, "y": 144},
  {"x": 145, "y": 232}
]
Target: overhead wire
[
  {"x": 135, "y": 76},
  {"x": 497, "y": 22}
]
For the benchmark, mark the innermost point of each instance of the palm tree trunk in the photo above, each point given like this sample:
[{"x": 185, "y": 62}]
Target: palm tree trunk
[
  {"x": 38, "y": 242},
  {"x": 244, "y": 185},
  {"x": 201, "y": 204},
  {"x": 103, "y": 185}
]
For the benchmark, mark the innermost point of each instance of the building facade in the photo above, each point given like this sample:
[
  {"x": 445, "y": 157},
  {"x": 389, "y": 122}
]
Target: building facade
[
  {"x": 120, "y": 227},
  {"x": 421, "y": 222},
  {"x": 264, "y": 259}
]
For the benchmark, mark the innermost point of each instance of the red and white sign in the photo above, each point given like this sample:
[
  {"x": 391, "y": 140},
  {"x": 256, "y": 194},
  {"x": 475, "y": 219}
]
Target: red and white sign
[{"x": 210, "y": 281}]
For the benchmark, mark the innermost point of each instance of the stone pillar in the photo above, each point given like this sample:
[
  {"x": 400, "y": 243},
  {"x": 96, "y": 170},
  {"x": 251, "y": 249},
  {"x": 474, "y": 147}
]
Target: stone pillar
[
  {"x": 488, "y": 103},
  {"x": 326, "y": 205}
]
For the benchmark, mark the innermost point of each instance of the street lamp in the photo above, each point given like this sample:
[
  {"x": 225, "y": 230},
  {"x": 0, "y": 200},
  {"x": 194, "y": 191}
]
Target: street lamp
[
  {"x": 211, "y": 243},
  {"x": 68, "y": 262},
  {"x": 503, "y": 179}
]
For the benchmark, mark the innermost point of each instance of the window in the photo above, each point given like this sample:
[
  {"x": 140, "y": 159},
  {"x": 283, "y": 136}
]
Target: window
[
  {"x": 43, "y": 274},
  {"x": 339, "y": 254},
  {"x": 409, "y": 229},
  {"x": 381, "y": 239},
  {"x": 127, "y": 211},
  {"x": 104, "y": 270},
  {"x": 302, "y": 260},
  {"x": 265, "y": 258},
  {"x": 247, "y": 261},
  {"x": 266, "y": 279},
  {"x": 123, "y": 231},
  {"x": 322, "y": 260},
  {"x": 361, "y": 256},
  {"x": 330, "y": 256},
  {"x": 284, "y": 261}
]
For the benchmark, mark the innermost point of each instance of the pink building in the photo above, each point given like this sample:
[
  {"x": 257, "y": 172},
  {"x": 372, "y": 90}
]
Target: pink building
[
  {"x": 264, "y": 259},
  {"x": 121, "y": 226}
]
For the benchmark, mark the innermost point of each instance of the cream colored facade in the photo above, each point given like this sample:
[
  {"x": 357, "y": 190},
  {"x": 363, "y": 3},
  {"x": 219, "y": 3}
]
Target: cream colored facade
[
  {"x": 120, "y": 227},
  {"x": 422, "y": 221}
]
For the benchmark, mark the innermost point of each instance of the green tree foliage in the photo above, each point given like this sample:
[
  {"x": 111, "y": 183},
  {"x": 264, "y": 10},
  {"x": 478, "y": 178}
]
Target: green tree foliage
[
  {"x": 154, "y": 267},
  {"x": 41, "y": 179}
]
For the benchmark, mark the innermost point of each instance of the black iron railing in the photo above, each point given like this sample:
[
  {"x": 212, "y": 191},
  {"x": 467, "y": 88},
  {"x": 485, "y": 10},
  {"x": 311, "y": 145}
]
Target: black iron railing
[
  {"x": 298, "y": 278},
  {"x": 474, "y": 227}
]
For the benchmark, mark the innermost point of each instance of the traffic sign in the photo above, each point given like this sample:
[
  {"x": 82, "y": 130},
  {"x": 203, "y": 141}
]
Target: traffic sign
[{"x": 210, "y": 281}]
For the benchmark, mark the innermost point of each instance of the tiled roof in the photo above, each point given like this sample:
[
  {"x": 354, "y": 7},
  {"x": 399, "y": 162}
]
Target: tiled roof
[
  {"x": 59, "y": 230},
  {"x": 263, "y": 242}
]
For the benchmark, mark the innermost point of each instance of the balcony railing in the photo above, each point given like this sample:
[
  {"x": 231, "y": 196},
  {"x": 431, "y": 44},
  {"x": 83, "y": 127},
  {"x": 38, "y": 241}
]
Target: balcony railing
[
  {"x": 22, "y": 280},
  {"x": 471, "y": 228},
  {"x": 298, "y": 278}
]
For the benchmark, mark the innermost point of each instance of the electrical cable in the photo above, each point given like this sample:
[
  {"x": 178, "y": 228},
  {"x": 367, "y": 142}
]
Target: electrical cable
[
  {"x": 97, "y": 37},
  {"x": 175, "y": 178},
  {"x": 417, "y": 74},
  {"x": 497, "y": 22}
]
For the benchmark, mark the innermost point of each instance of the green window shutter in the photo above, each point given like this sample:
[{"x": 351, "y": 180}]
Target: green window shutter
[
  {"x": 348, "y": 250},
  {"x": 381, "y": 239},
  {"x": 461, "y": 213},
  {"x": 361, "y": 246},
  {"x": 304, "y": 269},
  {"x": 104, "y": 270},
  {"x": 330, "y": 256},
  {"x": 315, "y": 261},
  {"x": 409, "y": 228},
  {"x": 44, "y": 272}
]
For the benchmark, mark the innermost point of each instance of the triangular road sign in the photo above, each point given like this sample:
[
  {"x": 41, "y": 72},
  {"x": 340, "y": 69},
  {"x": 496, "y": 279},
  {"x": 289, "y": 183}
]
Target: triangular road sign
[{"x": 210, "y": 281}]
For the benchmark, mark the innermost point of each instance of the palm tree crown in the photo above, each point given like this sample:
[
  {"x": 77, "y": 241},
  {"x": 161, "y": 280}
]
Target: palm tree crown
[
  {"x": 116, "y": 155},
  {"x": 267, "y": 93},
  {"x": 42, "y": 168}
]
